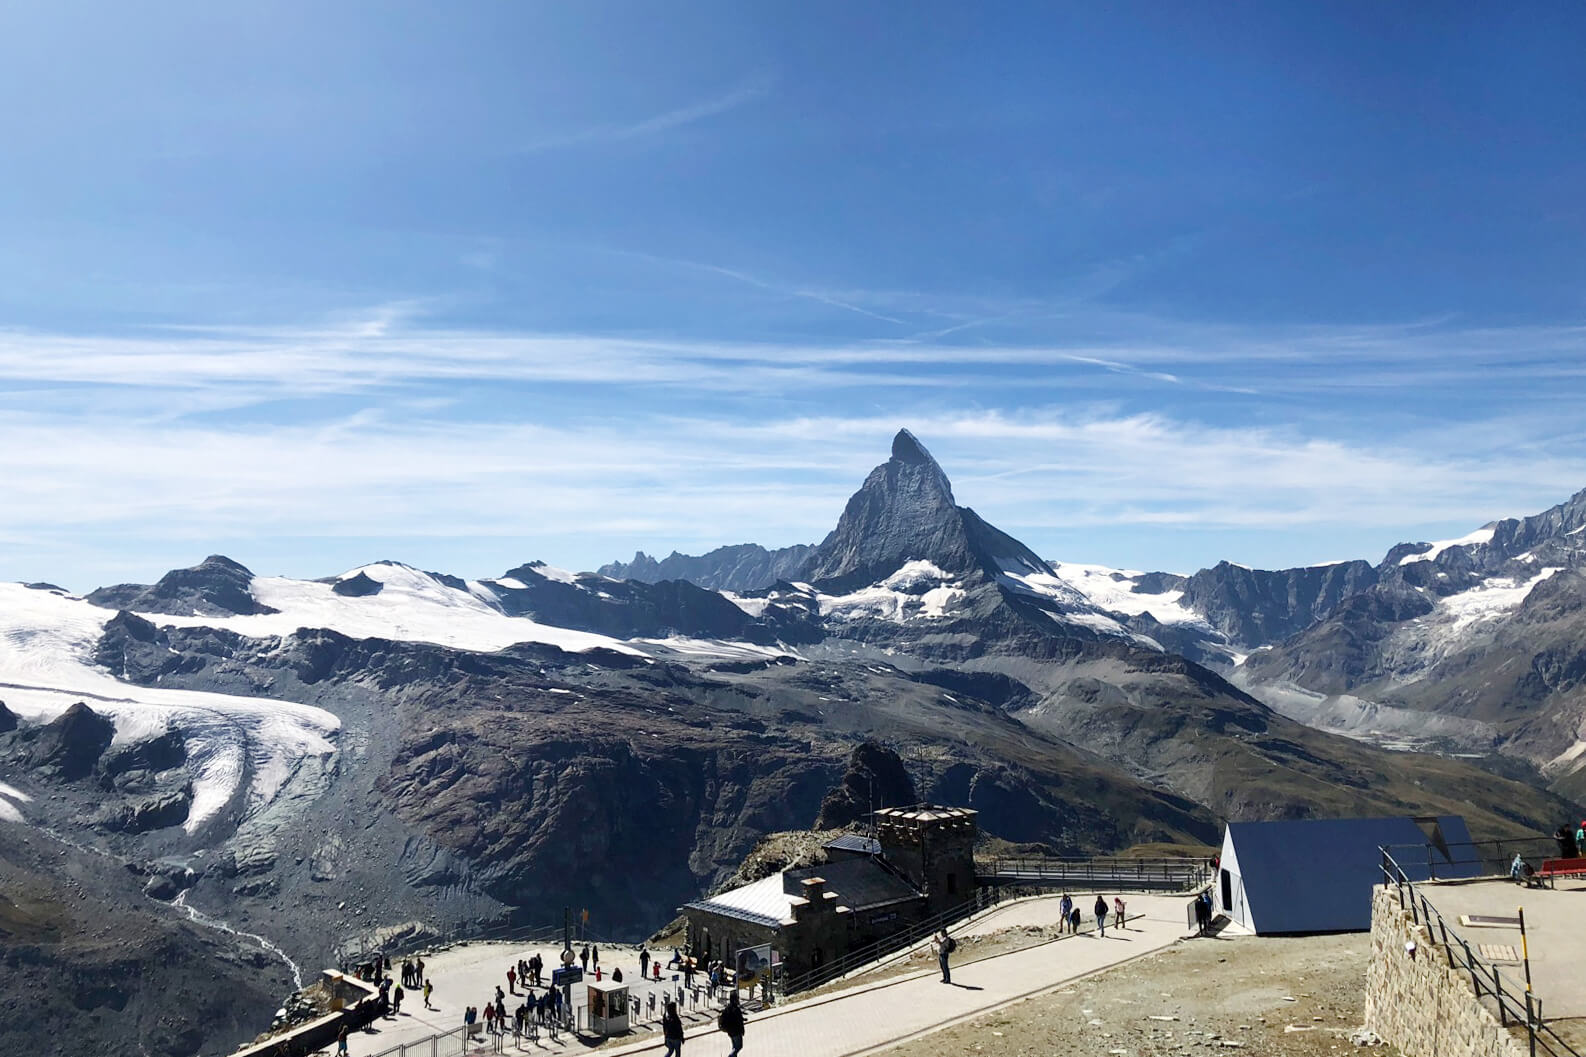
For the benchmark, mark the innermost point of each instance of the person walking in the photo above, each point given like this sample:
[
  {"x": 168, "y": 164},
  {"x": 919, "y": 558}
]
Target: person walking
[
  {"x": 1073, "y": 920},
  {"x": 943, "y": 945},
  {"x": 341, "y": 1042},
  {"x": 731, "y": 1023},
  {"x": 428, "y": 990},
  {"x": 1065, "y": 908},
  {"x": 583, "y": 957},
  {"x": 672, "y": 1030},
  {"x": 1117, "y": 911},
  {"x": 396, "y": 1000},
  {"x": 644, "y": 962},
  {"x": 594, "y": 957},
  {"x": 1101, "y": 916}
]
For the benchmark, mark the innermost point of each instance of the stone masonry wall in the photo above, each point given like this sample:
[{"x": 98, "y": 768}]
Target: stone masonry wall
[{"x": 1419, "y": 1004}]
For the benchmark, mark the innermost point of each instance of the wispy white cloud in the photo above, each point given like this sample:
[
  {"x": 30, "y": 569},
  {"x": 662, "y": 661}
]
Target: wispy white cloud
[
  {"x": 655, "y": 124},
  {"x": 180, "y": 435}
]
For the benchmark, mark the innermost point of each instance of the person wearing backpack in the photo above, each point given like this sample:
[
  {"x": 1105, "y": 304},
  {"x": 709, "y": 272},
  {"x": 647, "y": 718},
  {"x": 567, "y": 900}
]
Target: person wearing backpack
[
  {"x": 944, "y": 945},
  {"x": 731, "y": 1023}
]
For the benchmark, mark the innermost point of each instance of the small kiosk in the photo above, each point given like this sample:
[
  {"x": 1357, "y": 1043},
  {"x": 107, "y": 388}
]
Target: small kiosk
[{"x": 608, "y": 1007}]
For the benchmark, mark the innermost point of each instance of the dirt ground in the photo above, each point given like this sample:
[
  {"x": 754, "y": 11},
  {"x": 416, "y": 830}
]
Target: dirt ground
[{"x": 1272, "y": 997}]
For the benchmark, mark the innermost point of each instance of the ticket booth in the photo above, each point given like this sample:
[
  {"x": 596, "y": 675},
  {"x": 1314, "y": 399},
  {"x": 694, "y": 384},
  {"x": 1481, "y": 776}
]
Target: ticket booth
[{"x": 608, "y": 1007}]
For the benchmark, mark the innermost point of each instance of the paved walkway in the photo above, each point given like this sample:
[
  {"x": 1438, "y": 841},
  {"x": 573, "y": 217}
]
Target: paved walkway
[{"x": 856, "y": 1020}]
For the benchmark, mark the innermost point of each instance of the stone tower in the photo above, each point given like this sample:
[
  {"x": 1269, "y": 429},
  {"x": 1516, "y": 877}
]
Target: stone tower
[{"x": 934, "y": 847}]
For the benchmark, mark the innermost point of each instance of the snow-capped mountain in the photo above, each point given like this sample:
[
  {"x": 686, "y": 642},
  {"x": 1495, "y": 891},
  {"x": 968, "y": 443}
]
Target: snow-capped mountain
[{"x": 455, "y": 749}]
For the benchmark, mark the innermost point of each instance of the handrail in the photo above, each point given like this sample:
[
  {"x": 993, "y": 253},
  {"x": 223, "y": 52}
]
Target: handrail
[
  {"x": 890, "y": 944},
  {"x": 1513, "y": 1001}
]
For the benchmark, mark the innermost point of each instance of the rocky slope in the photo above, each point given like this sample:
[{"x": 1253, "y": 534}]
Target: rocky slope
[
  {"x": 88, "y": 965},
  {"x": 393, "y": 753},
  {"x": 743, "y": 567}
]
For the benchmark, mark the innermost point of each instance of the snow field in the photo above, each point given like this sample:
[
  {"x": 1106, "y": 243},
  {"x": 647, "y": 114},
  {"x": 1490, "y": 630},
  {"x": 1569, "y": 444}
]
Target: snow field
[{"x": 46, "y": 644}]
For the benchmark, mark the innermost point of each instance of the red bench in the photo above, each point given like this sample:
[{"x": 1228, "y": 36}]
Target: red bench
[{"x": 1552, "y": 868}]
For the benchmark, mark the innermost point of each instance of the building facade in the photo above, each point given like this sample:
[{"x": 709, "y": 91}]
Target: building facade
[{"x": 920, "y": 863}]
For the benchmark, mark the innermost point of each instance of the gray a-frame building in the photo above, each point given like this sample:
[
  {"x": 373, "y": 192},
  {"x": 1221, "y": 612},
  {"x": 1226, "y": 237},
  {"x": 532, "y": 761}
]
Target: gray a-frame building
[{"x": 1316, "y": 875}]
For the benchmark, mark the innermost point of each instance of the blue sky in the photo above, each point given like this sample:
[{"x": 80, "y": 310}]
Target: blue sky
[{"x": 467, "y": 285}]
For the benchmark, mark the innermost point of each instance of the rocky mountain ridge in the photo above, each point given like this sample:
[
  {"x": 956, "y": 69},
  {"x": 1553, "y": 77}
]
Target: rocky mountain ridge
[{"x": 457, "y": 751}]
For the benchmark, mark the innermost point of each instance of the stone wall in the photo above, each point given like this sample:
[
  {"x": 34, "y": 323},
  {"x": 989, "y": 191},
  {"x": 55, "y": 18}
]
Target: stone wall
[{"x": 1419, "y": 1004}]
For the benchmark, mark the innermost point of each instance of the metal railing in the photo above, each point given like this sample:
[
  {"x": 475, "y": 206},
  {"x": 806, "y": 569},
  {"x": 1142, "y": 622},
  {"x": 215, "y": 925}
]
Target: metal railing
[
  {"x": 405, "y": 945},
  {"x": 891, "y": 944},
  {"x": 1515, "y": 1003},
  {"x": 1137, "y": 874},
  {"x": 1465, "y": 859}
]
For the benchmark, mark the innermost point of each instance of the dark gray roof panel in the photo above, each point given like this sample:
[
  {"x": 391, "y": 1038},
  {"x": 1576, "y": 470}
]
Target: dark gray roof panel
[
  {"x": 854, "y": 842},
  {"x": 1316, "y": 875},
  {"x": 859, "y": 883}
]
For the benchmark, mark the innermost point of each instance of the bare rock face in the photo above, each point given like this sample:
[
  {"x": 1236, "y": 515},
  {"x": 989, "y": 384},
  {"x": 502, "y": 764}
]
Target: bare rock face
[
  {"x": 876, "y": 778},
  {"x": 738, "y": 568},
  {"x": 8, "y": 719},
  {"x": 1254, "y": 607},
  {"x": 70, "y": 745},
  {"x": 361, "y": 586},
  {"x": 217, "y": 586}
]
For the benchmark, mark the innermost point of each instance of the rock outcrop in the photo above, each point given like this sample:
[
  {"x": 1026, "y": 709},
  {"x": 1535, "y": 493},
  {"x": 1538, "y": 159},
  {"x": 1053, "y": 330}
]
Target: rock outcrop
[
  {"x": 875, "y": 778},
  {"x": 739, "y": 568},
  {"x": 217, "y": 586}
]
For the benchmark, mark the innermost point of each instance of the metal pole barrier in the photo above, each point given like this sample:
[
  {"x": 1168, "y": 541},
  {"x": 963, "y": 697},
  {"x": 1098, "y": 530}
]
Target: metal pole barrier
[
  {"x": 1530, "y": 1021},
  {"x": 1525, "y": 952}
]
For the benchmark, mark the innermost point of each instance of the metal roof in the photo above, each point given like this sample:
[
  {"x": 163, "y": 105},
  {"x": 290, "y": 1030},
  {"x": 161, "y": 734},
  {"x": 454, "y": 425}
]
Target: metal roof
[
  {"x": 1316, "y": 875},
  {"x": 858, "y": 884},
  {"x": 854, "y": 842}
]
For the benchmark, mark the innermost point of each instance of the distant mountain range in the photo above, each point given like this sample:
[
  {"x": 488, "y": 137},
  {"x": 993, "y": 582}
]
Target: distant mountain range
[{"x": 393, "y": 751}]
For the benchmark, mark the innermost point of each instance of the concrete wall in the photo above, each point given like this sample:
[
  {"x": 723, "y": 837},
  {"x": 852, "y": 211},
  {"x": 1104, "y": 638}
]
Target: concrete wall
[
  {"x": 1419, "y": 1004},
  {"x": 357, "y": 999}
]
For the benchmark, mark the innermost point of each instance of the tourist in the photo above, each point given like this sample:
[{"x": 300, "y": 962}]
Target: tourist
[
  {"x": 1065, "y": 908},
  {"x": 644, "y": 962},
  {"x": 1117, "y": 911},
  {"x": 583, "y": 957},
  {"x": 671, "y": 1030},
  {"x": 1101, "y": 916},
  {"x": 1580, "y": 836},
  {"x": 1073, "y": 920},
  {"x": 418, "y": 969},
  {"x": 396, "y": 1000},
  {"x": 470, "y": 1017},
  {"x": 677, "y": 959},
  {"x": 943, "y": 945},
  {"x": 490, "y": 1018},
  {"x": 594, "y": 957},
  {"x": 1567, "y": 848},
  {"x": 512, "y": 980},
  {"x": 616, "y": 975},
  {"x": 341, "y": 1042},
  {"x": 428, "y": 989},
  {"x": 731, "y": 1023}
]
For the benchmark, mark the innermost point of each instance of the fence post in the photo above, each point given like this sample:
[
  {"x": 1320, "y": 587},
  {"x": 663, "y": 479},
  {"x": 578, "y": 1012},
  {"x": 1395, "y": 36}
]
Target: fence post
[
  {"x": 1443, "y": 928},
  {"x": 1475, "y": 981},
  {"x": 1530, "y": 1023},
  {"x": 1497, "y": 990}
]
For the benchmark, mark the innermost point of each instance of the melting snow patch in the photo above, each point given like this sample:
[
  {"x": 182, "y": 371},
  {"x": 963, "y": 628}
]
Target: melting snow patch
[
  {"x": 1114, "y": 590},
  {"x": 916, "y": 590},
  {"x": 1481, "y": 535}
]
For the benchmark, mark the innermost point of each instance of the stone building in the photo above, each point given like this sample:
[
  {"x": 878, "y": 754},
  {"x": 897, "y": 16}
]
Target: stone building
[{"x": 920, "y": 863}]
